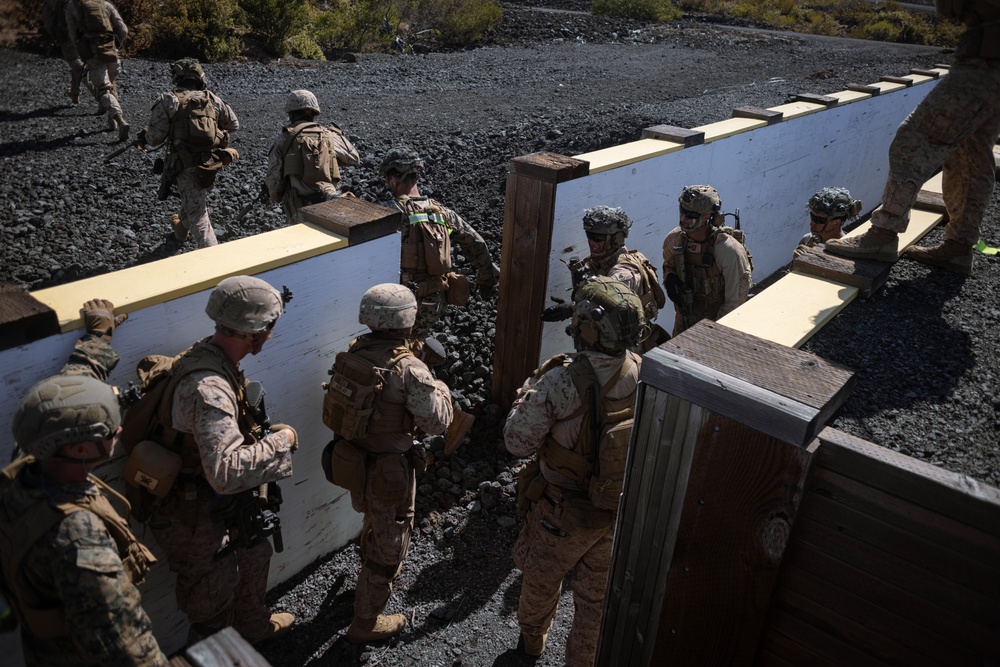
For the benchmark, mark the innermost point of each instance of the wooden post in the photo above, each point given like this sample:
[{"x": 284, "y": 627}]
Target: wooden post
[
  {"x": 527, "y": 238},
  {"x": 719, "y": 456}
]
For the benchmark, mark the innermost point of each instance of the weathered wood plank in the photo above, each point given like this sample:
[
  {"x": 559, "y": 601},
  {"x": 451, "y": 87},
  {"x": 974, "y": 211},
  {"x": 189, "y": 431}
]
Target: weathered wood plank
[
  {"x": 225, "y": 648},
  {"x": 23, "y": 318},
  {"x": 778, "y": 390},
  {"x": 355, "y": 219},
  {"x": 931, "y": 201},
  {"x": 825, "y": 100},
  {"x": 902, "y": 80},
  {"x": 889, "y": 597},
  {"x": 949, "y": 494},
  {"x": 868, "y": 275},
  {"x": 548, "y": 167},
  {"x": 816, "y": 647},
  {"x": 874, "y": 91},
  {"x": 742, "y": 495},
  {"x": 757, "y": 113},
  {"x": 680, "y": 135}
]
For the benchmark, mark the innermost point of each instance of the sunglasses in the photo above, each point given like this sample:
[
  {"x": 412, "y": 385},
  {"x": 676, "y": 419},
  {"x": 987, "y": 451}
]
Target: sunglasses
[
  {"x": 818, "y": 219},
  {"x": 595, "y": 237},
  {"x": 690, "y": 215}
]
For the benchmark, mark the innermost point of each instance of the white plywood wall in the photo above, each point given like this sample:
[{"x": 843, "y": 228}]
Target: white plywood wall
[
  {"x": 319, "y": 322},
  {"x": 767, "y": 173}
]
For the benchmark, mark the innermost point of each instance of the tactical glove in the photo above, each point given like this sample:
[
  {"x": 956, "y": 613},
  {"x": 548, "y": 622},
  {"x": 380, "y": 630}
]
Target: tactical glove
[
  {"x": 283, "y": 427},
  {"x": 557, "y": 313},
  {"x": 674, "y": 287},
  {"x": 99, "y": 317},
  {"x": 140, "y": 139},
  {"x": 488, "y": 276}
]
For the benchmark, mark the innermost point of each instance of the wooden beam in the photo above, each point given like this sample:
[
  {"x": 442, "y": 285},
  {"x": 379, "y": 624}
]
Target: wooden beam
[
  {"x": 23, "y": 318},
  {"x": 225, "y": 648},
  {"x": 931, "y": 201},
  {"x": 780, "y": 391},
  {"x": 549, "y": 167},
  {"x": 825, "y": 100},
  {"x": 355, "y": 219},
  {"x": 874, "y": 91},
  {"x": 905, "y": 81},
  {"x": 757, "y": 113},
  {"x": 932, "y": 73},
  {"x": 675, "y": 134},
  {"x": 868, "y": 275}
]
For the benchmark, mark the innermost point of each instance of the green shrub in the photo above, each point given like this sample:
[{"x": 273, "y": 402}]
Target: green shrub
[
  {"x": 643, "y": 10},
  {"x": 137, "y": 15},
  {"x": 302, "y": 45},
  {"x": 455, "y": 22},
  {"x": 272, "y": 22},
  {"x": 204, "y": 29},
  {"x": 356, "y": 25}
]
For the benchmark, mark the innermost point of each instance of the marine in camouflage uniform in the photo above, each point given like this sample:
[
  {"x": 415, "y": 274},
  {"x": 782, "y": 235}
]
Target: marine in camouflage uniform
[
  {"x": 706, "y": 272},
  {"x": 829, "y": 210},
  {"x": 296, "y": 179},
  {"x": 192, "y": 168},
  {"x": 99, "y": 48},
  {"x": 54, "y": 21},
  {"x": 606, "y": 229},
  {"x": 428, "y": 231},
  {"x": 411, "y": 398},
  {"x": 563, "y": 532},
  {"x": 75, "y": 591},
  {"x": 209, "y": 408},
  {"x": 955, "y": 128}
]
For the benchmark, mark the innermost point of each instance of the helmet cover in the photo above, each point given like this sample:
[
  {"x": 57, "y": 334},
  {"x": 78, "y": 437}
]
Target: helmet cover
[
  {"x": 244, "y": 303},
  {"x": 403, "y": 160},
  {"x": 62, "y": 410},
  {"x": 301, "y": 100},
  {"x": 388, "y": 306},
  {"x": 607, "y": 315}
]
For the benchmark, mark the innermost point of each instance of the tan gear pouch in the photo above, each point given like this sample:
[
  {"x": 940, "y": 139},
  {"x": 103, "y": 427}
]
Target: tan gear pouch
[
  {"x": 153, "y": 467},
  {"x": 437, "y": 248},
  {"x": 391, "y": 478},
  {"x": 580, "y": 513},
  {"x": 347, "y": 465},
  {"x": 530, "y": 486},
  {"x": 458, "y": 289}
]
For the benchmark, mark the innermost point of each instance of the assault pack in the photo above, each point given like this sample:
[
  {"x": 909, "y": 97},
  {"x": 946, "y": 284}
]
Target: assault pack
[
  {"x": 309, "y": 155},
  {"x": 196, "y": 123},
  {"x": 349, "y": 406},
  {"x": 598, "y": 459},
  {"x": 98, "y": 40}
]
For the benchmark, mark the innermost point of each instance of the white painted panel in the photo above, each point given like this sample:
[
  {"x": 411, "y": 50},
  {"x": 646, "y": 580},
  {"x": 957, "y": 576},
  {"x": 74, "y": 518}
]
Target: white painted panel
[
  {"x": 767, "y": 173},
  {"x": 320, "y": 321}
]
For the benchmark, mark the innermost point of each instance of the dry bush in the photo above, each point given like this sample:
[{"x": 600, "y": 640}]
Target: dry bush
[
  {"x": 355, "y": 25},
  {"x": 643, "y": 10},
  {"x": 273, "y": 22},
  {"x": 454, "y": 22},
  {"x": 204, "y": 29}
]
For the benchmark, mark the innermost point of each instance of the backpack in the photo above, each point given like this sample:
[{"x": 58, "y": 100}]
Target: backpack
[
  {"x": 599, "y": 458},
  {"x": 349, "y": 406},
  {"x": 196, "y": 123},
  {"x": 93, "y": 16},
  {"x": 739, "y": 236},
  {"x": 309, "y": 155}
]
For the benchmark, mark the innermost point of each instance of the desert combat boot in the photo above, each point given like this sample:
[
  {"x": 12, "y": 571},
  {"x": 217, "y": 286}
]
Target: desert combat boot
[
  {"x": 952, "y": 255},
  {"x": 364, "y": 630},
  {"x": 281, "y": 623},
  {"x": 876, "y": 243},
  {"x": 531, "y": 645}
]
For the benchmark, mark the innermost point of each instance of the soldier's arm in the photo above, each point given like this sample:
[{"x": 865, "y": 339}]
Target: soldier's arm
[
  {"x": 533, "y": 413},
  {"x": 159, "y": 118},
  {"x": 736, "y": 272},
  {"x": 669, "y": 257},
  {"x": 104, "y": 614},
  {"x": 275, "y": 179},
  {"x": 205, "y": 406},
  {"x": 227, "y": 119},
  {"x": 117, "y": 24},
  {"x": 473, "y": 247},
  {"x": 347, "y": 154},
  {"x": 93, "y": 355},
  {"x": 628, "y": 275},
  {"x": 427, "y": 399}
]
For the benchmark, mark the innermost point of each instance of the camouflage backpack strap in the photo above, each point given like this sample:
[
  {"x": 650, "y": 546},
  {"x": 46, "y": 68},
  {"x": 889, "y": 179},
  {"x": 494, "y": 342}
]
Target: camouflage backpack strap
[{"x": 136, "y": 558}]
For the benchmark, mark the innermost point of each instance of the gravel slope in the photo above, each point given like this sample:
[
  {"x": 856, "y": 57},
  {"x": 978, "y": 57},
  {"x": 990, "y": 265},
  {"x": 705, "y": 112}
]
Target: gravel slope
[{"x": 925, "y": 346}]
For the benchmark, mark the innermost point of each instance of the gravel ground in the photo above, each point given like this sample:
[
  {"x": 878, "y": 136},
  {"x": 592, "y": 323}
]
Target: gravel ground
[{"x": 928, "y": 385}]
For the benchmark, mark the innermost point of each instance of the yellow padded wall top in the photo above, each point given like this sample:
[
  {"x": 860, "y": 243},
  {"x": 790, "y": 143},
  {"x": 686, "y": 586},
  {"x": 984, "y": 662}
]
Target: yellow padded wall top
[{"x": 619, "y": 156}]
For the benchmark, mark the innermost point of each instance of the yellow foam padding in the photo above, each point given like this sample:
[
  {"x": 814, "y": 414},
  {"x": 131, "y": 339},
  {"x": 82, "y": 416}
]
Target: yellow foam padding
[
  {"x": 796, "y": 109},
  {"x": 729, "y": 127},
  {"x": 935, "y": 183},
  {"x": 144, "y": 285},
  {"x": 940, "y": 70},
  {"x": 634, "y": 151},
  {"x": 848, "y": 96},
  {"x": 918, "y": 78},
  {"x": 921, "y": 222},
  {"x": 888, "y": 86},
  {"x": 791, "y": 310}
]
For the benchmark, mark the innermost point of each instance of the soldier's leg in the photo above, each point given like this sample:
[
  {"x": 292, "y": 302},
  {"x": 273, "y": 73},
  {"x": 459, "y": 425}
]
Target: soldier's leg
[
  {"x": 544, "y": 558},
  {"x": 252, "y": 618},
  {"x": 384, "y": 544},
  {"x": 194, "y": 208},
  {"x": 76, "y": 70},
  {"x": 589, "y": 579},
  {"x": 205, "y": 586},
  {"x": 97, "y": 72}
]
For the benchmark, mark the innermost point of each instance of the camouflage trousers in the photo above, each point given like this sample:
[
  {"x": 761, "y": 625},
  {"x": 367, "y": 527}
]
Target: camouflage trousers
[
  {"x": 546, "y": 558},
  {"x": 76, "y": 66},
  {"x": 102, "y": 76},
  {"x": 385, "y": 539},
  {"x": 194, "y": 208},
  {"x": 955, "y": 128},
  {"x": 430, "y": 308},
  {"x": 215, "y": 593}
]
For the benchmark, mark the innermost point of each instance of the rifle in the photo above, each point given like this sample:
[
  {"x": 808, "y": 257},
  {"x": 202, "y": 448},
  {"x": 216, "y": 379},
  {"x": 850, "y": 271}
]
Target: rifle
[
  {"x": 263, "y": 195},
  {"x": 251, "y": 518},
  {"x": 579, "y": 273},
  {"x": 111, "y": 156}
]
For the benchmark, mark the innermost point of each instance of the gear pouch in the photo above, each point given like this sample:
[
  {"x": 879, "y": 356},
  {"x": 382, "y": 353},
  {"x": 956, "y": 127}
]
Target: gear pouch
[
  {"x": 458, "y": 289},
  {"x": 391, "y": 479}
]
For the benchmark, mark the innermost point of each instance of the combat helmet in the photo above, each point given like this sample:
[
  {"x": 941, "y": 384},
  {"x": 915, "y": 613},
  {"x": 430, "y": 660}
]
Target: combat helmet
[
  {"x": 62, "y": 410},
  {"x": 301, "y": 100},
  {"x": 402, "y": 160},
  {"x": 607, "y": 316},
  {"x": 701, "y": 199},
  {"x": 834, "y": 203},
  {"x": 245, "y": 304},
  {"x": 388, "y": 306},
  {"x": 187, "y": 69},
  {"x": 609, "y": 221}
]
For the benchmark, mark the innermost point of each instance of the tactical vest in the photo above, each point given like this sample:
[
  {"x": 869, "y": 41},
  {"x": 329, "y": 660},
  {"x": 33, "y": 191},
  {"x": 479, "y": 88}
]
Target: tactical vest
[
  {"x": 93, "y": 18},
  {"x": 194, "y": 129},
  {"x": 45, "y": 618},
  {"x": 426, "y": 244},
  {"x": 597, "y": 460},
  {"x": 354, "y": 406},
  {"x": 310, "y": 155},
  {"x": 702, "y": 273}
]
